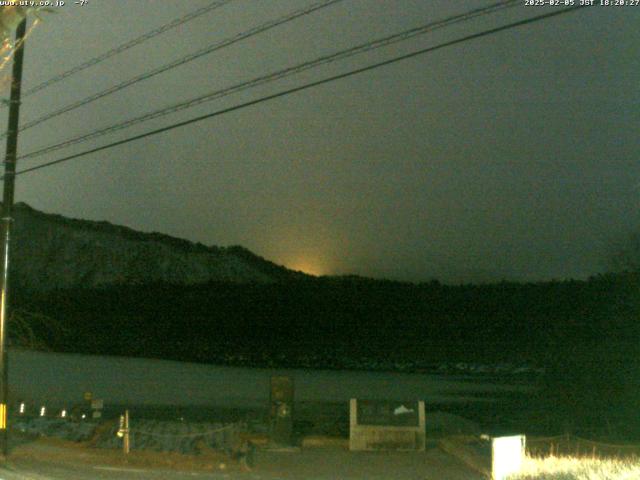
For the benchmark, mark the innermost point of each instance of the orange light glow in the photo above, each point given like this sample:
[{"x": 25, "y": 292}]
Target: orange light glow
[{"x": 308, "y": 266}]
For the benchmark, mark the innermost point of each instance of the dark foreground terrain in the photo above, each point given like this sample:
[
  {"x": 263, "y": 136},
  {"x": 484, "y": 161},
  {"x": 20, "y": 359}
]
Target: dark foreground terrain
[
  {"x": 43, "y": 460},
  {"x": 94, "y": 456},
  {"x": 582, "y": 337}
]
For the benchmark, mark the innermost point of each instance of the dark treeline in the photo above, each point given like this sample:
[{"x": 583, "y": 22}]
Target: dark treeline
[{"x": 184, "y": 323}]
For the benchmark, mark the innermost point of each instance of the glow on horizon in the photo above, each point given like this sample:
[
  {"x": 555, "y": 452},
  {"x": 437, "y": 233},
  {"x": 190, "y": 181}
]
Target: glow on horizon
[{"x": 308, "y": 266}]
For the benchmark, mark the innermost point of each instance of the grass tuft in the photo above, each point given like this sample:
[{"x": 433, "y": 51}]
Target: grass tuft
[{"x": 571, "y": 468}]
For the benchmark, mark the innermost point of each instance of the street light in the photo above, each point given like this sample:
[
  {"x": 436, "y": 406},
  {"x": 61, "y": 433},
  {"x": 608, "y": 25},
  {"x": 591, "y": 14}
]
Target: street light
[{"x": 10, "y": 18}]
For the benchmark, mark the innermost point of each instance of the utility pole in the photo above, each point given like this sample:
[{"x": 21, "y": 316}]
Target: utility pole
[{"x": 7, "y": 220}]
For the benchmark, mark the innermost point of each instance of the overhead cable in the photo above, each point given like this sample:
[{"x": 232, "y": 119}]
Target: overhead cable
[
  {"x": 126, "y": 46},
  {"x": 271, "y": 77},
  {"x": 181, "y": 61},
  {"x": 307, "y": 86}
]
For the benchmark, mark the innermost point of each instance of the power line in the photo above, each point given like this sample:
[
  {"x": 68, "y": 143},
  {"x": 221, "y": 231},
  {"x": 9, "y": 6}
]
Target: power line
[
  {"x": 181, "y": 61},
  {"x": 126, "y": 46},
  {"x": 307, "y": 86},
  {"x": 367, "y": 46}
]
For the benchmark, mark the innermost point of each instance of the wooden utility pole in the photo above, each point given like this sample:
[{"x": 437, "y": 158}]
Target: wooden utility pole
[{"x": 7, "y": 221}]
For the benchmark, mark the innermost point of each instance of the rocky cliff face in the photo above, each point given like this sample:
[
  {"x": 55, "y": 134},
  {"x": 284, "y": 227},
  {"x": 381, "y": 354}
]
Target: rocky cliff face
[{"x": 51, "y": 251}]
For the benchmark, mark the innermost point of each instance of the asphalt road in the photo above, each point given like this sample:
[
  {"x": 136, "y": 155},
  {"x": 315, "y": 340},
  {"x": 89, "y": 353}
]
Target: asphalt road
[
  {"x": 35, "y": 470},
  {"x": 317, "y": 464}
]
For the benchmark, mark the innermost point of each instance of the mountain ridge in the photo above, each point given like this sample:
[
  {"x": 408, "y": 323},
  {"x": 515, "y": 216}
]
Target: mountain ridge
[{"x": 51, "y": 251}]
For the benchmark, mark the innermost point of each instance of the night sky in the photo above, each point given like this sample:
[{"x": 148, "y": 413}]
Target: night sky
[{"x": 514, "y": 156}]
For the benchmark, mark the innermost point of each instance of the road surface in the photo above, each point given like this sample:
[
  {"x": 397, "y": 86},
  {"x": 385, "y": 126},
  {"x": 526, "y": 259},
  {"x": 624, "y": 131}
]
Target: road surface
[{"x": 38, "y": 461}]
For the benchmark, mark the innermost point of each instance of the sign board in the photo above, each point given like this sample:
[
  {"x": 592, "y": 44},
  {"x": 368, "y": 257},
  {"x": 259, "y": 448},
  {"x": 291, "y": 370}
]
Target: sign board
[
  {"x": 397, "y": 414},
  {"x": 386, "y": 425},
  {"x": 281, "y": 410},
  {"x": 507, "y": 455},
  {"x": 282, "y": 390},
  {"x": 97, "y": 404}
]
